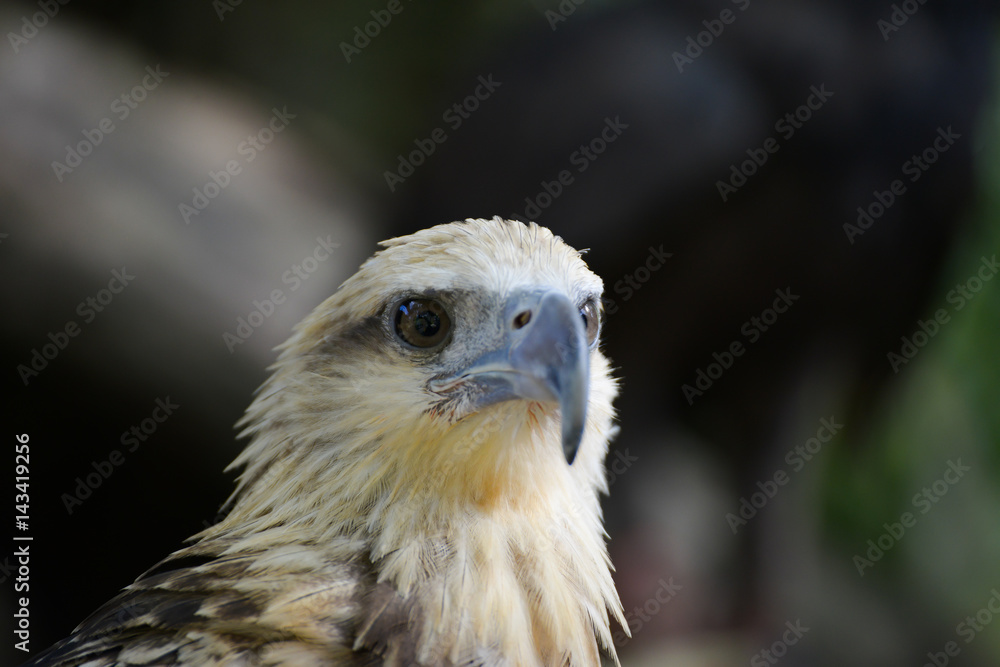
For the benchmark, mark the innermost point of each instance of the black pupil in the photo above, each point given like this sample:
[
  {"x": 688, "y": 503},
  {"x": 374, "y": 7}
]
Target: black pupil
[{"x": 427, "y": 323}]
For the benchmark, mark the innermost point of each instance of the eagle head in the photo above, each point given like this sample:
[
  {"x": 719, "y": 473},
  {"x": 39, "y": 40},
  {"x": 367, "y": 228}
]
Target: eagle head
[{"x": 446, "y": 413}]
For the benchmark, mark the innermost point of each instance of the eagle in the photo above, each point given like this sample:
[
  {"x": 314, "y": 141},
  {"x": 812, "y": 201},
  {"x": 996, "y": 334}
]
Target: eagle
[{"x": 421, "y": 484}]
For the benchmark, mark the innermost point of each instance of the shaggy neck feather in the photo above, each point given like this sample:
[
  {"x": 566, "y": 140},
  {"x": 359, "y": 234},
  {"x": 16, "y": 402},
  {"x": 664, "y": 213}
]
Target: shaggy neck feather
[{"x": 488, "y": 515}]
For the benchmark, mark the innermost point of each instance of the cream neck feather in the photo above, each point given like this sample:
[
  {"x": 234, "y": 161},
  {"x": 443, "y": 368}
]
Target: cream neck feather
[{"x": 482, "y": 518}]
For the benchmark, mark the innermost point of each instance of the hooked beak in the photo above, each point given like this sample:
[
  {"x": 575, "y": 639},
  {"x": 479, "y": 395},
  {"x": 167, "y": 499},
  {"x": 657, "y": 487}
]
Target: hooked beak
[{"x": 544, "y": 357}]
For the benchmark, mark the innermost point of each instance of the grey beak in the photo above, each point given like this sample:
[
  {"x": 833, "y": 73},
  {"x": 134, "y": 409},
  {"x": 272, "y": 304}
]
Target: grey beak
[
  {"x": 552, "y": 361},
  {"x": 543, "y": 357}
]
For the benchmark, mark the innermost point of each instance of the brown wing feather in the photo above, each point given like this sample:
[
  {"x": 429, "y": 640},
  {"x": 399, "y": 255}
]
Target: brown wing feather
[{"x": 240, "y": 609}]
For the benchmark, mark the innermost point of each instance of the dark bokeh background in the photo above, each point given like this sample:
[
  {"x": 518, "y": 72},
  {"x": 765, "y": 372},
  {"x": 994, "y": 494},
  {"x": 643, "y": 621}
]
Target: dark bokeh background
[{"x": 559, "y": 73}]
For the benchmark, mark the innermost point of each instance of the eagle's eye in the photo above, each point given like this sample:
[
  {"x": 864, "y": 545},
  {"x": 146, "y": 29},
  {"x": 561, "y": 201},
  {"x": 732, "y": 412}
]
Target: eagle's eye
[
  {"x": 591, "y": 320},
  {"x": 422, "y": 323}
]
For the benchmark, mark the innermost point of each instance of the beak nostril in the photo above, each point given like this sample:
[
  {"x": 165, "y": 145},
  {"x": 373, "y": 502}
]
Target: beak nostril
[{"x": 522, "y": 319}]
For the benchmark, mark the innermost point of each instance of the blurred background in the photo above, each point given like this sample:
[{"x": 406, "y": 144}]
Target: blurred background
[{"x": 794, "y": 206}]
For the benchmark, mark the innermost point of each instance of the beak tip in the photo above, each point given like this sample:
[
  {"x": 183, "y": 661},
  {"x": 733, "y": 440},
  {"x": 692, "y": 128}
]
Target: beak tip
[
  {"x": 570, "y": 451},
  {"x": 571, "y": 437}
]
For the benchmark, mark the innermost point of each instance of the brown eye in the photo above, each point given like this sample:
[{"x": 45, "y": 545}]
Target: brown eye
[
  {"x": 422, "y": 323},
  {"x": 591, "y": 320}
]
